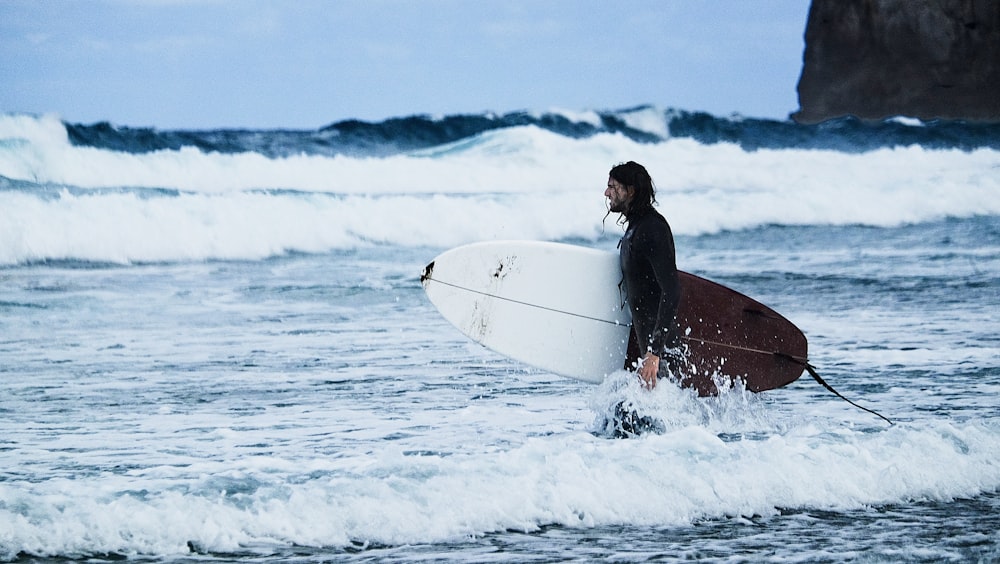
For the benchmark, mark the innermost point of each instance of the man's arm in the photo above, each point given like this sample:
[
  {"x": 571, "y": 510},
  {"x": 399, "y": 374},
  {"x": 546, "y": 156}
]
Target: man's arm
[{"x": 664, "y": 264}]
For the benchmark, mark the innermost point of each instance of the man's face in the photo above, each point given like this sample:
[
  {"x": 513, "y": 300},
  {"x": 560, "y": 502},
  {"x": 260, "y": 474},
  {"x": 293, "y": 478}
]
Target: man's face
[{"x": 618, "y": 196}]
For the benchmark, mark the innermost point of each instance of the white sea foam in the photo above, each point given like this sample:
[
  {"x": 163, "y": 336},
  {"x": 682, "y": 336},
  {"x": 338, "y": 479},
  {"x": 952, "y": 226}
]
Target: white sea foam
[
  {"x": 589, "y": 117},
  {"x": 574, "y": 480},
  {"x": 648, "y": 120},
  {"x": 516, "y": 183}
]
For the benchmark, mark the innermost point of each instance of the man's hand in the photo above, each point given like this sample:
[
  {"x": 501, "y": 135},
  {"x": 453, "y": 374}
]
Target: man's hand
[{"x": 648, "y": 368}]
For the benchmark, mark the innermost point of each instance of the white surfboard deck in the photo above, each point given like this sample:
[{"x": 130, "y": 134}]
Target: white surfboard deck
[{"x": 553, "y": 306}]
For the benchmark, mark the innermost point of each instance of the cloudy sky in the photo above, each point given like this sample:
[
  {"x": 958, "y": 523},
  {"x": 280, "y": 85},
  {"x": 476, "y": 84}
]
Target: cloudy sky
[{"x": 307, "y": 63}]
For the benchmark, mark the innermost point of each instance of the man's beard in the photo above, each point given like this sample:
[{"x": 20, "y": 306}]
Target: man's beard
[{"x": 620, "y": 206}]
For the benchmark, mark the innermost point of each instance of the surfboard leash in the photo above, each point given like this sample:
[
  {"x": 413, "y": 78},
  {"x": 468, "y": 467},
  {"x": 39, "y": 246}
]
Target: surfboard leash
[
  {"x": 815, "y": 375},
  {"x": 805, "y": 364}
]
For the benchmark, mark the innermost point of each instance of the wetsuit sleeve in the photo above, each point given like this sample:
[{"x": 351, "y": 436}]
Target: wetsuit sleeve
[{"x": 664, "y": 265}]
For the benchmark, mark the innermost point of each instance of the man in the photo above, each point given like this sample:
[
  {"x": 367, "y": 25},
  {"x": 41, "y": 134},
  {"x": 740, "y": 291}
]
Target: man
[{"x": 649, "y": 275}]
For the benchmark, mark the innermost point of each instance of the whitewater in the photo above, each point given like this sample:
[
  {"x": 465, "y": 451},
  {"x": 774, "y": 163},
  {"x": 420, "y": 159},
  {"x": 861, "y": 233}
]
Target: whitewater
[{"x": 214, "y": 345}]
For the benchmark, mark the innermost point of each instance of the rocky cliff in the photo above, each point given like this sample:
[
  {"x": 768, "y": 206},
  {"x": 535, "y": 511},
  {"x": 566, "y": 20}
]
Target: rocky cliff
[{"x": 921, "y": 58}]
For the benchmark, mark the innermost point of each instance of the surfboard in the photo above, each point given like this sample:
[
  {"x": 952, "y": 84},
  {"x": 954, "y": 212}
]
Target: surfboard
[{"x": 559, "y": 308}]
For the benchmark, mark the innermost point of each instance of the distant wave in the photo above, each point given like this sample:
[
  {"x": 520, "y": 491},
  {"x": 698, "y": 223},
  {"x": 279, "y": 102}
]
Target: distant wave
[
  {"x": 644, "y": 124},
  {"x": 66, "y": 201}
]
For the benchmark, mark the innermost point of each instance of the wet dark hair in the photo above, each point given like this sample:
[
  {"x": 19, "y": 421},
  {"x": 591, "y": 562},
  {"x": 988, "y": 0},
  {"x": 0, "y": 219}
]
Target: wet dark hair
[{"x": 634, "y": 174}]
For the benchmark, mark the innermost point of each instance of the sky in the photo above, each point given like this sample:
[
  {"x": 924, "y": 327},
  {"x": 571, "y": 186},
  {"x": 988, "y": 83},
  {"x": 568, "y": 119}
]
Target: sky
[{"x": 302, "y": 64}]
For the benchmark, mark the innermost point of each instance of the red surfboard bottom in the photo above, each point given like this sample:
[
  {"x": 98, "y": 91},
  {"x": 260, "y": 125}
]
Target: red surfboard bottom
[{"x": 728, "y": 336}]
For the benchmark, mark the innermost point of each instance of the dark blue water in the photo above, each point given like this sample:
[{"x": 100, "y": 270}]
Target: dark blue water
[{"x": 397, "y": 135}]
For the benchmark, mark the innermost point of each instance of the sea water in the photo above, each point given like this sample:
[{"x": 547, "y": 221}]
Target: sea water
[{"x": 214, "y": 346}]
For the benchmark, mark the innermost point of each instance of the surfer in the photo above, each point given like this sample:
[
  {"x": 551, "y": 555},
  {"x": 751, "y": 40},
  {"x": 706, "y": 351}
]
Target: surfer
[
  {"x": 649, "y": 280},
  {"x": 649, "y": 270}
]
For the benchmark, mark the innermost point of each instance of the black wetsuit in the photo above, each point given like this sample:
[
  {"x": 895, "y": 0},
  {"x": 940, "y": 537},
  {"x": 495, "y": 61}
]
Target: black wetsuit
[
  {"x": 652, "y": 287},
  {"x": 651, "y": 283}
]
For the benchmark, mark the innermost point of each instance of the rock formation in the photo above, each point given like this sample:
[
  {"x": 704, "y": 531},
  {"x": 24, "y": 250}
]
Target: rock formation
[{"x": 930, "y": 59}]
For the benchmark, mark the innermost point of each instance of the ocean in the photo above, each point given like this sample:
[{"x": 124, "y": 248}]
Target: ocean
[{"x": 214, "y": 345}]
